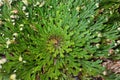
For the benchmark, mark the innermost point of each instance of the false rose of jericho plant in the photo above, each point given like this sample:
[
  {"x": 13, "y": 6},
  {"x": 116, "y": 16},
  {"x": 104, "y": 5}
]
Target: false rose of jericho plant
[{"x": 51, "y": 39}]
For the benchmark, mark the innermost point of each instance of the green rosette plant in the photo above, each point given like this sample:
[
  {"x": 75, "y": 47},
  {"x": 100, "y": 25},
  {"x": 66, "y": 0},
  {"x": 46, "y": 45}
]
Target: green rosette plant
[{"x": 53, "y": 39}]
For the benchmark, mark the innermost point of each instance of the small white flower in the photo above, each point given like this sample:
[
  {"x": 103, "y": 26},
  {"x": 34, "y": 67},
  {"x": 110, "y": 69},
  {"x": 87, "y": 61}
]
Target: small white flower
[
  {"x": 79, "y": 17},
  {"x": 14, "y": 71},
  {"x": 42, "y": 4},
  {"x": 25, "y": 2},
  {"x": 13, "y": 20},
  {"x": 8, "y": 1},
  {"x": 3, "y": 60},
  {"x": 23, "y": 8},
  {"x": 13, "y": 77},
  {"x": 98, "y": 45},
  {"x": 118, "y": 41},
  {"x": 20, "y": 58},
  {"x": 21, "y": 25},
  {"x": 105, "y": 73},
  {"x": 15, "y": 34},
  {"x": 13, "y": 23},
  {"x": 108, "y": 40},
  {"x": 99, "y": 35},
  {"x": 2, "y": 34},
  {"x": 27, "y": 14},
  {"x": 21, "y": 29},
  {"x": 34, "y": 5},
  {"x": 69, "y": 9},
  {"x": 37, "y": 3},
  {"x": 92, "y": 16},
  {"x": 77, "y": 8},
  {"x": 97, "y": 4},
  {"x": 36, "y": 14},
  {"x": 1, "y": 3},
  {"x": 14, "y": 11},
  {"x": 16, "y": 16},
  {"x": 24, "y": 61},
  {"x": 117, "y": 50},
  {"x": 50, "y": 6},
  {"x": 115, "y": 44},
  {"x": 88, "y": 21},
  {"x": 118, "y": 29},
  {"x": 7, "y": 38},
  {"x": 12, "y": 16},
  {"x": 111, "y": 12},
  {"x": 13, "y": 39},
  {"x": 8, "y": 43}
]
